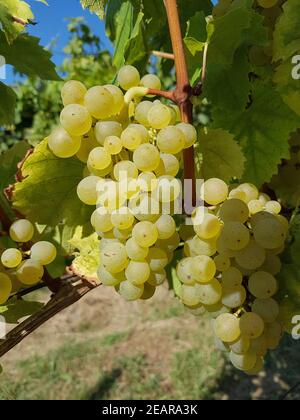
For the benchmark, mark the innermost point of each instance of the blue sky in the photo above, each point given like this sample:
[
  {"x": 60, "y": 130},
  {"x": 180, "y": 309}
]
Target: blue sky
[{"x": 52, "y": 25}]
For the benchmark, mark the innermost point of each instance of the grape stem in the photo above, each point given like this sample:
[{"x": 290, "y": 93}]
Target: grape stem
[{"x": 161, "y": 54}]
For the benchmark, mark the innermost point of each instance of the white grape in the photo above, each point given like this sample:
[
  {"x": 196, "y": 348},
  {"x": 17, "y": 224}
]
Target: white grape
[
  {"x": 62, "y": 144},
  {"x": 30, "y": 272},
  {"x": 76, "y": 120},
  {"x": 44, "y": 252},
  {"x": 11, "y": 258},
  {"x": 21, "y": 231},
  {"x": 128, "y": 77}
]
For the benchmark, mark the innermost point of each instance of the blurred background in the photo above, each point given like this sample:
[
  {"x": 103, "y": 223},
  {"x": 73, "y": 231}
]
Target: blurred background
[{"x": 103, "y": 347}]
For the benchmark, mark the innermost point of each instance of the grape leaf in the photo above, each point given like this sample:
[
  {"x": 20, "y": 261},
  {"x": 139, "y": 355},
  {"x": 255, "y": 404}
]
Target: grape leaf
[
  {"x": 196, "y": 34},
  {"x": 287, "y": 32},
  {"x": 136, "y": 49},
  {"x": 87, "y": 256},
  {"x": 16, "y": 309},
  {"x": 288, "y": 86},
  {"x": 221, "y": 156},
  {"x": 8, "y": 100},
  {"x": 28, "y": 57},
  {"x": 95, "y": 6},
  {"x": 8, "y": 10},
  {"x": 287, "y": 185},
  {"x": 47, "y": 195},
  {"x": 8, "y": 169}
]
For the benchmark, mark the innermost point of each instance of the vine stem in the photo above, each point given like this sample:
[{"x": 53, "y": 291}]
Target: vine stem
[
  {"x": 162, "y": 54},
  {"x": 183, "y": 91}
]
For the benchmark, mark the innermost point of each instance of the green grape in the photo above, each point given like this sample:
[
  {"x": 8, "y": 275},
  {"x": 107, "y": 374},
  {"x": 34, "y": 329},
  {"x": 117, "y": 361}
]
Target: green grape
[
  {"x": 99, "y": 102},
  {"x": 258, "y": 367},
  {"x": 168, "y": 189},
  {"x": 104, "y": 129},
  {"x": 250, "y": 191},
  {"x": 222, "y": 262},
  {"x": 214, "y": 191},
  {"x": 204, "y": 269},
  {"x": 234, "y": 297},
  {"x": 118, "y": 98},
  {"x": 159, "y": 117},
  {"x": 190, "y": 295},
  {"x": 210, "y": 293},
  {"x": 131, "y": 138},
  {"x": 145, "y": 234},
  {"x": 283, "y": 220},
  {"x": 87, "y": 190},
  {"x": 241, "y": 345},
  {"x": 260, "y": 217},
  {"x": 227, "y": 328},
  {"x": 128, "y": 77},
  {"x": 98, "y": 172},
  {"x": 263, "y": 198},
  {"x": 221, "y": 244},
  {"x": 143, "y": 131},
  {"x": 76, "y": 120},
  {"x": 137, "y": 272},
  {"x": 243, "y": 362},
  {"x": 251, "y": 257},
  {"x": 114, "y": 257},
  {"x": 269, "y": 233},
  {"x": 88, "y": 143},
  {"x": 166, "y": 226},
  {"x": 125, "y": 169},
  {"x": 122, "y": 235},
  {"x": 101, "y": 220},
  {"x": 189, "y": 132},
  {"x": 149, "y": 291},
  {"x": 209, "y": 228},
  {"x": 267, "y": 309},
  {"x": 73, "y": 92},
  {"x": 252, "y": 325},
  {"x": 259, "y": 345},
  {"x": 237, "y": 194},
  {"x": 130, "y": 292},
  {"x": 5, "y": 288},
  {"x": 267, "y": 3},
  {"x": 146, "y": 157},
  {"x": 111, "y": 196},
  {"x": 186, "y": 271},
  {"x": 255, "y": 206},
  {"x": 216, "y": 309},
  {"x": 147, "y": 181},
  {"x": 232, "y": 278},
  {"x": 197, "y": 246},
  {"x": 99, "y": 159},
  {"x": 262, "y": 285},
  {"x": 141, "y": 112},
  {"x": 272, "y": 264},
  {"x": 113, "y": 145},
  {"x": 236, "y": 235},
  {"x": 44, "y": 252},
  {"x": 273, "y": 334},
  {"x": 169, "y": 165},
  {"x": 157, "y": 278},
  {"x": 30, "y": 272},
  {"x": 151, "y": 81},
  {"x": 135, "y": 251},
  {"x": 273, "y": 207},
  {"x": 144, "y": 208},
  {"x": 170, "y": 139},
  {"x": 109, "y": 279},
  {"x": 234, "y": 210},
  {"x": 62, "y": 144},
  {"x": 157, "y": 259},
  {"x": 21, "y": 231},
  {"x": 122, "y": 218},
  {"x": 11, "y": 258},
  {"x": 129, "y": 188}
]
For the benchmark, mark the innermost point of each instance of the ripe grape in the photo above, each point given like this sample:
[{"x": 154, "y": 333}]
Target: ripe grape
[
  {"x": 210, "y": 293},
  {"x": 159, "y": 116},
  {"x": 30, "y": 272},
  {"x": 5, "y": 288},
  {"x": 232, "y": 278},
  {"x": 269, "y": 233},
  {"x": 44, "y": 252},
  {"x": 113, "y": 145},
  {"x": 243, "y": 362},
  {"x": 186, "y": 271},
  {"x": 130, "y": 291},
  {"x": 189, "y": 132},
  {"x": 87, "y": 190},
  {"x": 204, "y": 268},
  {"x": 251, "y": 257},
  {"x": 125, "y": 169},
  {"x": 122, "y": 218},
  {"x": 135, "y": 251},
  {"x": 118, "y": 98},
  {"x": 73, "y": 92},
  {"x": 146, "y": 157},
  {"x": 234, "y": 297},
  {"x": 241, "y": 345},
  {"x": 21, "y": 231},
  {"x": 222, "y": 262},
  {"x": 76, "y": 120},
  {"x": 128, "y": 77},
  {"x": 209, "y": 227},
  {"x": 157, "y": 259},
  {"x": 252, "y": 325},
  {"x": 262, "y": 285},
  {"x": 114, "y": 257},
  {"x": 234, "y": 210},
  {"x": 99, "y": 158},
  {"x": 151, "y": 81},
  {"x": 11, "y": 258},
  {"x": 227, "y": 328},
  {"x": 145, "y": 234},
  {"x": 214, "y": 191},
  {"x": 109, "y": 279},
  {"x": 170, "y": 140},
  {"x": 273, "y": 207},
  {"x": 267, "y": 309},
  {"x": 169, "y": 165},
  {"x": 62, "y": 144},
  {"x": 141, "y": 112},
  {"x": 196, "y": 246},
  {"x": 190, "y": 295},
  {"x": 104, "y": 129},
  {"x": 137, "y": 272}
]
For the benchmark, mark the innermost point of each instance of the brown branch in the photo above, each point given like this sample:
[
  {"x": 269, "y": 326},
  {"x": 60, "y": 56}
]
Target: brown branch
[
  {"x": 161, "y": 54},
  {"x": 72, "y": 291},
  {"x": 5, "y": 220},
  {"x": 183, "y": 90},
  {"x": 170, "y": 95}
]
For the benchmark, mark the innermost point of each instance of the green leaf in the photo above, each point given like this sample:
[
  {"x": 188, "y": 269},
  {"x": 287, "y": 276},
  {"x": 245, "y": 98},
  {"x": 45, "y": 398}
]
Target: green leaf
[
  {"x": 87, "y": 257},
  {"x": 48, "y": 194},
  {"x": 10, "y": 9},
  {"x": 196, "y": 34},
  {"x": 28, "y": 57},
  {"x": 221, "y": 156},
  {"x": 136, "y": 49},
  {"x": 287, "y": 185},
  {"x": 263, "y": 131},
  {"x": 8, "y": 168},
  {"x": 16, "y": 309},
  {"x": 8, "y": 100},
  {"x": 95, "y": 6},
  {"x": 287, "y": 31}
]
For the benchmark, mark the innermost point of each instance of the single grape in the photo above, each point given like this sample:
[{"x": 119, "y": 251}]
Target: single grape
[
  {"x": 146, "y": 157},
  {"x": 122, "y": 218},
  {"x": 62, "y": 144},
  {"x": 255, "y": 206},
  {"x": 125, "y": 169},
  {"x": 234, "y": 210},
  {"x": 204, "y": 269},
  {"x": 214, "y": 191},
  {"x": 259, "y": 345},
  {"x": 5, "y": 288},
  {"x": 232, "y": 278},
  {"x": 243, "y": 362},
  {"x": 258, "y": 367},
  {"x": 190, "y": 134},
  {"x": 135, "y": 252},
  {"x": 145, "y": 234},
  {"x": 99, "y": 158},
  {"x": 137, "y": 272},
  {"x": 118, "y": 98},
  {"x": 131, "y": 138},
  {"x": 241, "y": 345},
  {"x": 73, "y": 92},
  {"x": 21, "y": 231},
  {"x": 269, "y": 233},
  {"x": 227, "y": 328},
  {"x": 196, "y": 246},
  {"x": 250, "y": 191},
  {"x": 30, "y": 272},
  {"x": 99, "y": 102},
  {"x": 109, "y": 279},
  {"x": 87, "y": 190},
  {"x": 11, "y": 258},
  {"x": 151, "y": 81},
  {"x": 252, "y": 325},
  {"x": 141, "y": 112},
  {"x": 267, "y": 309},
  {"x": 168, "y": 189},
  {"x": 209, "y": 228},
  {"x": 113, "y": 145},
  {"x": 273, "y": 207},
  {"x": 210, "y": 293},
  {"x": 169, "y": 165},
  {"x": 272, "y": 264},
  {"x": 262, "y": 285},
  {"x": 236, "y": 235},
  {"x": 114, "y": 257},
  {"x": 129, "y": 291},
  {"x": 128, "y": 77},
  {"x": 76, "y": 120},
  {"x": 189, "y": 295},
  {"x": 234, "y": 297},
  {"x": 159, "y": 116},
  {"x": 44, "y": 252},
  {"x": 251, "y": 257},
  {"x": 166, "y": 226},
  {"x": 104, "y": 129},
  {"x": 88, "y": 143},
  {"x": 170, "y": 139},
  {"x": 222, "y": 262},
  {"x": 186, "y": 271},
  {"x": 147, "y": 182}
]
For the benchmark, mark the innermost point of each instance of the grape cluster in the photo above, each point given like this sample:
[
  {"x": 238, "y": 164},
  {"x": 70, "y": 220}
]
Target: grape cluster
[
  {"x": 132, "y": 150},
  {"x": 19, "y": 268},
  {"x": 231, "y": 260}
]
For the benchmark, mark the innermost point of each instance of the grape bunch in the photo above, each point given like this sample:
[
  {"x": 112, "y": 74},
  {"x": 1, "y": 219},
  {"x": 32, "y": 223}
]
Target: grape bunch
[
  {"x": 132, "y": 149},
  {"x": 20, "y": 268},
  {"x": 230, "y": 266}
]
